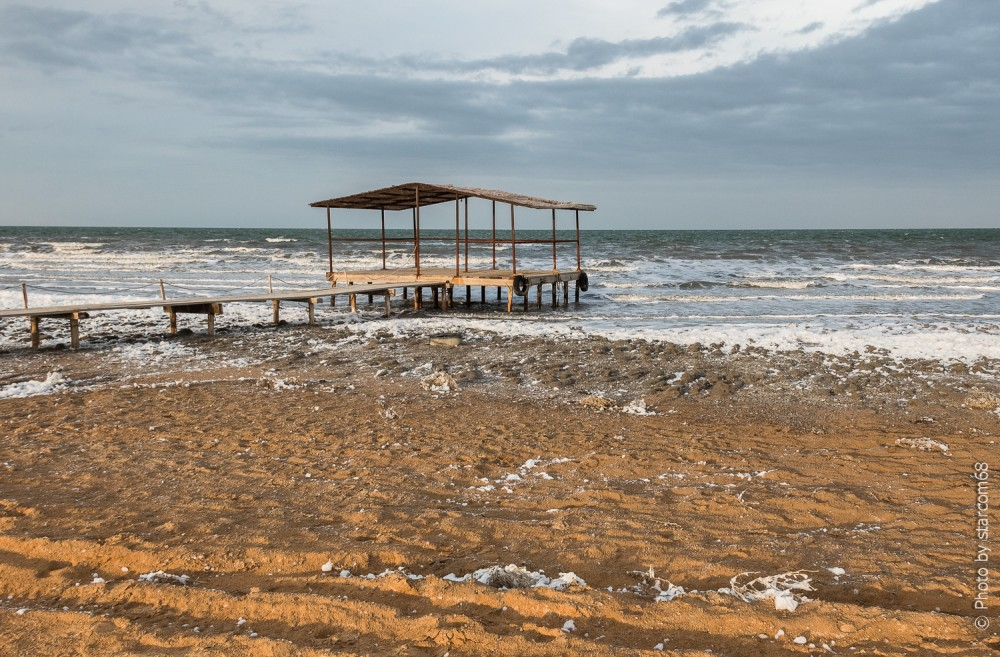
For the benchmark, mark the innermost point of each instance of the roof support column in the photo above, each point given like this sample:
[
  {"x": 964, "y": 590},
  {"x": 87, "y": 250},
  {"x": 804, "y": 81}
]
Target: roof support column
[
  {"x": 578, "y": 240},
  {"x": 466, "y": 234},
  {"x": 513, "y": 241},
  {"x": 458, "y": 237},
  {"x": 329, "y": 237},
  {"x": 553, "y": 240},
  {"x": 383, "y": 238},
  {"x": 416, "y": 227},
  {"x": 495, "y": 235}
]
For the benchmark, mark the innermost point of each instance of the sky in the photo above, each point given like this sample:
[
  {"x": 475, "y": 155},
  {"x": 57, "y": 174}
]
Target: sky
[{"x": 667, "y": 114}]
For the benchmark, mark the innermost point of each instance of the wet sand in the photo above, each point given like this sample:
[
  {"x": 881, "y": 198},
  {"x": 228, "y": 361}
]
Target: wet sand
[{"x": 318, "y": 489}]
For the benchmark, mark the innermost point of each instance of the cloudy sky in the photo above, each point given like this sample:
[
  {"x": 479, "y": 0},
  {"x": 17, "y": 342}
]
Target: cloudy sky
[{"x": 665, "y": 114}]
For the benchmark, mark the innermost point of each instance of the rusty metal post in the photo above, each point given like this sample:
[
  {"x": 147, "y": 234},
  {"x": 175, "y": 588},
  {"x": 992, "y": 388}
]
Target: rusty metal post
[
  {"x": 329, "y": 237},
  {"x": 554, "y": 268},
  {"x": 24, "y": 293},
  {"x": 466, "y": 235},
  {"x": 578, "y": 240},
  {"x": 383, "y": 238},
  {"x": 416, "y": 228},
  {"x": 458, "y": 238},
  {"x": 513, "y": 241}
]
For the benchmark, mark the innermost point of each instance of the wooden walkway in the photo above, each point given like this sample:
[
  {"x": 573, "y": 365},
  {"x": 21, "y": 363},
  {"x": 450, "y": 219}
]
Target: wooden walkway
[{"x": 212, "y": 306}]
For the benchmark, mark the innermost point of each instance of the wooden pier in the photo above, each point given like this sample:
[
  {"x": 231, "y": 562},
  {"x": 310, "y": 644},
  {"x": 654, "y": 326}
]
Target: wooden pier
[
  {"x": 211, "y": 306},
  {"x": 516, "y": 284},
  {"x": 517, "y": 280},
  {"x": 442, "y": 281}
]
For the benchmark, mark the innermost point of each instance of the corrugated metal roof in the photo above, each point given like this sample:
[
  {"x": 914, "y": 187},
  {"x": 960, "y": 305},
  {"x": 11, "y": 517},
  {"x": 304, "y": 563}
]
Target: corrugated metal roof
[{"x": 403, "y": 197}]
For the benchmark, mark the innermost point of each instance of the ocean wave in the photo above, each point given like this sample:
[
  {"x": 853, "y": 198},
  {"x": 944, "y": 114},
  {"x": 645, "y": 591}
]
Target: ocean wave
[
  {"x": 73, "y": 247},
  {"x": 969, "y": 265},
  {"x": 699, "y": 285},
  {"x": 280, "y": 239},
  {"x": 915, "y": 280},
  {"x": 693, "y": 298},
  {"x": 777, "y": 284}
]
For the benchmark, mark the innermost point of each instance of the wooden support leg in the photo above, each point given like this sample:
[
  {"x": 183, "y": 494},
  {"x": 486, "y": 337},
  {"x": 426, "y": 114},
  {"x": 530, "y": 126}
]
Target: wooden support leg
[
  {"x": 333, "y": 299},
  {"x": 404, "y": 293},
  {"x": 434, "y": 294},
  {"x": 173, "y": 321},
  {"x": 576, "y": 292},
  {"x": 538, "y": 296},
  {"x": 499, "y": 289},
  {"x": 418, "y": 293},
  {"x": 36, "y": 336},
  {"x": 451, "y": 296},
  {"x": 468, "y": 296},
  {"x": 353, "y": 299},
  {"x": 388, "y": 307},
  {"x": 510, "y": 297},
  {"x": 525, "y": 301},
  {"x": 482, "y": 295},
  {"x": 74, "y": 332},
  {"x": 371, "y": 300},
  {"x": 312, "y": 313},
  {"x": 445, "y": 298},
  {"x": 211, "y": 323},
  {"x": 565, "y": 293},
  {"x": 276, "y": 307},
  {"x": 555, "y": 301}
]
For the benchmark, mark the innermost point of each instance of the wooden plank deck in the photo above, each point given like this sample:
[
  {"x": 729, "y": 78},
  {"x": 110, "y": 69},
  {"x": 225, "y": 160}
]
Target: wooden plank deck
[
  {"x": 482, "y": 278},
  {"x": 207, "y": 305}
]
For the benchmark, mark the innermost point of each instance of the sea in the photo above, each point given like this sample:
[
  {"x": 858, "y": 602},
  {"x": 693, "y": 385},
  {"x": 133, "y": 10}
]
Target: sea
[{"x": 921, "y": 294}]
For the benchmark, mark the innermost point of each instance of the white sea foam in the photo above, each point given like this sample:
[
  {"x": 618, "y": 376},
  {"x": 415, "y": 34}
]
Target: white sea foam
[
  {"x": 686, "y": 298},
  {"x": 787, "y": 293},
  {"x": 916, "y": 280},
  {"x": 52, "y": 383}
]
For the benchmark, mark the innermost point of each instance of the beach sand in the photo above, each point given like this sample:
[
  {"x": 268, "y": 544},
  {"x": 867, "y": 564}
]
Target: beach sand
[{"x": 267, "y": 465}]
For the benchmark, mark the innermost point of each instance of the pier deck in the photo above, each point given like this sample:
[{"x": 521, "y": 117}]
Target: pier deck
[
  {"x": 210, "y": 306},
  {"x": 517, "y": 283}
]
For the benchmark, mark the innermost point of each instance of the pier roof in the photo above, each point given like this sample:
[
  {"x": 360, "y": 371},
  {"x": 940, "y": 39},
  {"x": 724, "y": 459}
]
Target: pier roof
[{"x": 404, "y": 197}]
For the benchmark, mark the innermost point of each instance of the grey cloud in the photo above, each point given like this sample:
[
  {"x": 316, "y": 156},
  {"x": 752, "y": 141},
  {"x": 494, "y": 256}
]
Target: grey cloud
[
  {"x": 584, "y": 53},
  {"x": 58, "y": 38},
  {"x": 684, "y": 7},
  {"x": 917, "y": 94},
  {"x": 920, "y": 93},
  {"x": 63, "y": 38}
]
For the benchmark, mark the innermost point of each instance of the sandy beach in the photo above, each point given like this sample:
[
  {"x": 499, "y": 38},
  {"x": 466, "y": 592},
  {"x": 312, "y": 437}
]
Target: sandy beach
[{"x": 316, "y": 491}]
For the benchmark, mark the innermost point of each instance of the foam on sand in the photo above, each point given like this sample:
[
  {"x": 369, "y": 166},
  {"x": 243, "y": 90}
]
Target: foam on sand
[
  {"x": 517, "y": 577},
  {"x": 54, "y": 382}
]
